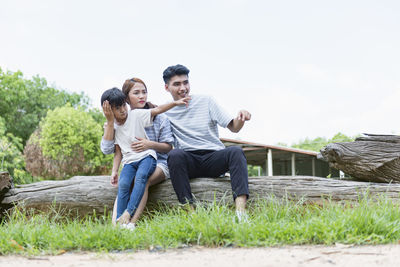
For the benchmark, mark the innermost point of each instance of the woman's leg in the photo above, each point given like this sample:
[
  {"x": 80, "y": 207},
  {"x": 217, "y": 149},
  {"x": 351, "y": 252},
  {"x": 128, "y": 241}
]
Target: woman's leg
[{"x": 157, "y": 177}]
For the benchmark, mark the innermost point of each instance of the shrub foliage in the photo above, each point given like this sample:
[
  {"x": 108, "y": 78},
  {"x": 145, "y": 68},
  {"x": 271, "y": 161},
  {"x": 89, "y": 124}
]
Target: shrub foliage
[{"x": 66, "y": 144}]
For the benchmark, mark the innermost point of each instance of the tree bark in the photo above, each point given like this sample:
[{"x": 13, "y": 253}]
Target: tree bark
[
  {"x": 83, "y": 195},
  {"x": 5, "y": 182},
  {"x": 371, "y": 158}
]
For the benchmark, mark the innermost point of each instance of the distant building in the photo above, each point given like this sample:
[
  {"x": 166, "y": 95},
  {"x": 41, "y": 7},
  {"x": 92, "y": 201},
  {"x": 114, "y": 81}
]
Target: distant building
[{"x": 277, "y": 160}]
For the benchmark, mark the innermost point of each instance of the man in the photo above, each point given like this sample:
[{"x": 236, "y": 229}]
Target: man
[{"x": 198, "y": 151}]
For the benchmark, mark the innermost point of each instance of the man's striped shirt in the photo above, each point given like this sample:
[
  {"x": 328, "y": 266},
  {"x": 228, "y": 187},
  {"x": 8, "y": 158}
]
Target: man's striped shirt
[{"x": 196, "y": 127}]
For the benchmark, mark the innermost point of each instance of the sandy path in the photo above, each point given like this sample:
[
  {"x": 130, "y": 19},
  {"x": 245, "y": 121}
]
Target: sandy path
[{"x": 363, "y": 256}]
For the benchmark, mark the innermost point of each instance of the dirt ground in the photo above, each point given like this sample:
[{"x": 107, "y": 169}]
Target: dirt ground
[{"x": 339, "y": 255}]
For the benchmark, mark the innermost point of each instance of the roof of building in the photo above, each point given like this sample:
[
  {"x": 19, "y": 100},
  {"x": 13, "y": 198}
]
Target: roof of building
[{"x": 251, "y": 146}]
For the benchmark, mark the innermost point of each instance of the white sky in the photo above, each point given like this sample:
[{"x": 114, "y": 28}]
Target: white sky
[{"x": 302, "y": 68}]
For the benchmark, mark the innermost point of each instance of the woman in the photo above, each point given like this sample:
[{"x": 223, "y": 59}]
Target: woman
[{"x": 160, "y": 137}]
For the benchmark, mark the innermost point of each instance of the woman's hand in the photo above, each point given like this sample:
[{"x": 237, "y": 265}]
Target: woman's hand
[
  {"x": 141, "y": 145},
  {"x": 108, "y": 113},
  {"x": 114, "y": 179}
]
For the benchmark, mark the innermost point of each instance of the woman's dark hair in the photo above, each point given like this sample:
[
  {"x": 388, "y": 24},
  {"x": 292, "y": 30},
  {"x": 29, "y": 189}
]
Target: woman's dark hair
[
  {"x": 171, "y": 71},
  {"x": 128, "y": 85}
]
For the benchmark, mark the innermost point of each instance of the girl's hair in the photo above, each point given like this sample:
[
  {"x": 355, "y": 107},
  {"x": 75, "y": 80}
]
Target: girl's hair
[
  {"x": 114, "y": 96},
  {"x": 127, "y": 87}
]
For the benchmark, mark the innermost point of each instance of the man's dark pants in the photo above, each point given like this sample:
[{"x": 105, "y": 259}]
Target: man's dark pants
[{"x": 184, "y": 165}]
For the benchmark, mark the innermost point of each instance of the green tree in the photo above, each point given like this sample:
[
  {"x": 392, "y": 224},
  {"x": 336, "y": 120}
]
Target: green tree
[
  {"x": 70, "y": 138},
  {"x": 252, "y": 170},
  {"x": 317, "y": 143},
  {"x": 339, "y": 137},
  {"x": 25, "y": 101},
  {"x": 97, "y": 115}
]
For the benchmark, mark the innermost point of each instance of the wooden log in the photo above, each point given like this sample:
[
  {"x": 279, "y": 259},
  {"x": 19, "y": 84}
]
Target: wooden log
[
  {"x": 379, "y": 138},
  {"x": 371, "y": 158},
  {"x": 80, "y": 195},
  {"x": 84, "y": 195}
]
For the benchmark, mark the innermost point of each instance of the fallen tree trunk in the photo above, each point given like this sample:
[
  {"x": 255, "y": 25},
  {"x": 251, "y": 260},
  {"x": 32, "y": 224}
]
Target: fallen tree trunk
[
  {"x": 86, "y": 194},
  {"x": 371, "y": 158}
]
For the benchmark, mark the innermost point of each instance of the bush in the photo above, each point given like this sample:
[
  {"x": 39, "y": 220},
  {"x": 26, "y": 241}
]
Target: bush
[
  {"x": 11, "y": 157},
  {"x": 36, "y": 163},
  {"x": 66, "y": 144}
]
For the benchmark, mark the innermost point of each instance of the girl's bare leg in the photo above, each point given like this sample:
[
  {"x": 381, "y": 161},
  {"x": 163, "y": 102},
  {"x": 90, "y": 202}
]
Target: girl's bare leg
[
  {"x": 114, "y": 213},
  {"x": 156, "y": 178}
]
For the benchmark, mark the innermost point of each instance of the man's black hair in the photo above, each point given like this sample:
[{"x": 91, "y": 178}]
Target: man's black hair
[
  {"x": 115, "y": 97},
  {"x": 171, "y": 71}
]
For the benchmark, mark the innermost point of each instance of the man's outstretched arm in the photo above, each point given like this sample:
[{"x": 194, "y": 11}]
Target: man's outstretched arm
[{"x": 237, "y": 123}]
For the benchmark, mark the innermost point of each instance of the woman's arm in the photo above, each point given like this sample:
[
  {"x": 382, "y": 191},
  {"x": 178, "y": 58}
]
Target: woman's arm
[
  {"x": 115, "y": 168},
  {"x": 160, "y": 138},
  {"x": 144, "y": 144}
]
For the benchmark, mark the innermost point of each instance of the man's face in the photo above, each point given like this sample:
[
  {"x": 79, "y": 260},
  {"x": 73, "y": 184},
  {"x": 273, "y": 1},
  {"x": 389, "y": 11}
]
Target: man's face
[
  {"x": 178, "y": 86},
  {"x": 120, "y": 113}
]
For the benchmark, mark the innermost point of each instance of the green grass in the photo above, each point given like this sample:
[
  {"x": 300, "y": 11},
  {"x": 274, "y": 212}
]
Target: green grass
[{"x": 272, "y": 223}]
